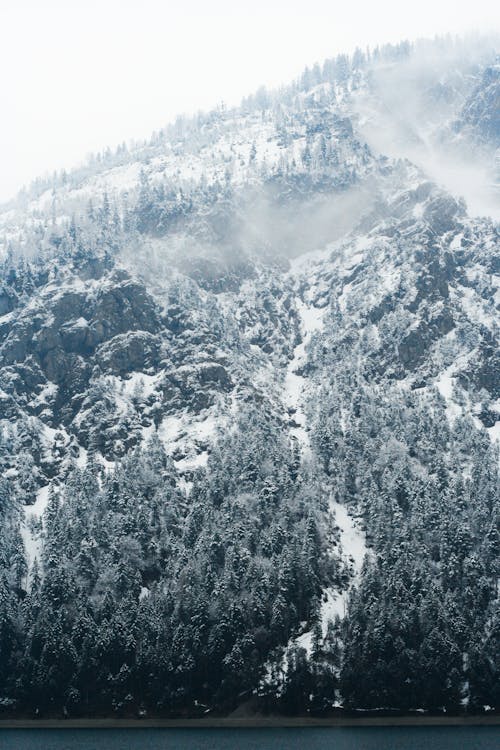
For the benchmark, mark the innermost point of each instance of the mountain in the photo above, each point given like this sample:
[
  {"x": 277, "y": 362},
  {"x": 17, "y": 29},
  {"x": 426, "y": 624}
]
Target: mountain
[
  {"x": 250, "y": 405},
  {"x": 481, "y": 113}
]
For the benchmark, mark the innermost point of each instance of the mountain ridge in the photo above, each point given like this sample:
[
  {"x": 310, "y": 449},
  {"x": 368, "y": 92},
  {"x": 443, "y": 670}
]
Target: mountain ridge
[{"x": 250, "y": 420}]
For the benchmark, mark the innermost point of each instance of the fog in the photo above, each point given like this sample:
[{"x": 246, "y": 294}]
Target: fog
[
  {"x": 83, "y": 75},
  {"x": 407, "y": 108},
  {"x": 261, "y": 226},
  {"x": 303, "y": 225},
  {"x": 412, "y": 111}
]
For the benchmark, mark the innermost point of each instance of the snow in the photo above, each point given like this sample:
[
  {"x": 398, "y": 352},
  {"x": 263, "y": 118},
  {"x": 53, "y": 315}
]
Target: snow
[
  {"x": 444, "y": 384},
  {"x": 494, "y": 432},
  {"x": 303, "y": 263},
  {"x": 191, "y": 436},
  {"x": 353, "y": 544},
  {"x": 109, "y": 466},
  {"x": 391, "y": 280},
  {"x": 294, "y": 391},
  {"x": 122, "y": 178},
  {"x": 474, "y": 308},
  {"x": 191, "y": 463},
  {"x": 185, "y": 486},
  {"x": 456, "y": 242},
  {"x": 140, "y": 380},
  {"x": 334, "y": 602},
  {"x": 353, "y": 261},
  {"x": 47, "y": 394},
  {"x": 333, "y": 605},
  {"x": 311, "y": 318},
  {"x": 38, "y": 507},
  {"x": 170, "y": 430},
  {"x": 207, "y": 428},
  {"x": 48, "y": 434},
  {"x": 32, "y": 540},
  {"x": 173, "y": 429},
  {"x": 352, "y": 539},
  {"x": 82, "y": 459},
  {"x": 295, "y": 385},
  {"x": 305, "y": 641}
]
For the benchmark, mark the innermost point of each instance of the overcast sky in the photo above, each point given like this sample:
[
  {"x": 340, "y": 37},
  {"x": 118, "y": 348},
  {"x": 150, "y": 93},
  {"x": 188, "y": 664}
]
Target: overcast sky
[{"x": 78, "y": 75}]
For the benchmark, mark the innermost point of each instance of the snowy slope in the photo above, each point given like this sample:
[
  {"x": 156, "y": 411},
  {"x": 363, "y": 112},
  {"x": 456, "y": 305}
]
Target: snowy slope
[{"x": 282, "y": 267}]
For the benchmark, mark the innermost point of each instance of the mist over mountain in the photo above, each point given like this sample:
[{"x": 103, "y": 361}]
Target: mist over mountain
[{"x": 250, "y": 405}]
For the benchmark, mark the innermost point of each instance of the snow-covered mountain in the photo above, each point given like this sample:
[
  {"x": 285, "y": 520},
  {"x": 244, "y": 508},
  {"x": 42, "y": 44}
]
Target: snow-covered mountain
[{"x": 250, "y": 404}]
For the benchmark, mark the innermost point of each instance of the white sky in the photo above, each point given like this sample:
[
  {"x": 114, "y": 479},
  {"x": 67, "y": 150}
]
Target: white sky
[{"x": 79, "y": 75}]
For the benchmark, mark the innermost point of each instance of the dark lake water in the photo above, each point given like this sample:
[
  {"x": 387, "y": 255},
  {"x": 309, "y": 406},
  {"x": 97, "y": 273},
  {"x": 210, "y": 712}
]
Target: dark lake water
[{"x": 366, "y": 738}]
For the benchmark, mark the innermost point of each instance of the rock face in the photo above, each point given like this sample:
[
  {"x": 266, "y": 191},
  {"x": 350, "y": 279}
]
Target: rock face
[
  {"x": 251, "y": 387},
  {"x": 481, "y": 112},
  {"x": 63, "y": 333},
  {"x": 77, "y": 330},
  {"x": 8, "y": 299},
  {"x": 484, "y": 373},
  {"x": 135, "y": 351},
  {"x": 149, "y": 352},
  {"x": 189, "y": 301}
]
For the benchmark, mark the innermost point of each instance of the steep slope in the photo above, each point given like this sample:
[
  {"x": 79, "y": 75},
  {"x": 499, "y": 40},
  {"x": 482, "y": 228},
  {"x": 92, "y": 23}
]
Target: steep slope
[
  {"x": 249, "y": 412},
  {"x": 481, "y": 111}
]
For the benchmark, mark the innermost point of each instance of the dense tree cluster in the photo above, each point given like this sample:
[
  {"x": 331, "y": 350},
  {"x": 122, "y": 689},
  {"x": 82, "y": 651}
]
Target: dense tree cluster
[
  {"x": 169, "y": 590},
  {"x": 422, "y": 629},
  {"x": 152, "y": 597},
  {"x": 423, "y": 626},
  {"x": 146, "y": 596}
]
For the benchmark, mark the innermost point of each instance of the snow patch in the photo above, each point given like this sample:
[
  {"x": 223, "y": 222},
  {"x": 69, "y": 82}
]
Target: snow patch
[
  {"x": 444, "y": 384},
  {"x": 82, "y": 458},
  {"x": 354, "y": 550},
  {"x": 494, "y": 432},
  {"x": 31, "y": 536},
  {"x": 191, "y": 463},
  {"x": 38, "y": 508},
  {"x": 295, "y": 384},
  {"x": 334, "y": 602},
  {"x": 191, "y": 437},
  {"x": 140, "y": 381}
]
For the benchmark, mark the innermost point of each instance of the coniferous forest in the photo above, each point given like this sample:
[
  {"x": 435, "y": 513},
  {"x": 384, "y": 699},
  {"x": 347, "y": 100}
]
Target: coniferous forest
[{"x": 249, "y": 409}]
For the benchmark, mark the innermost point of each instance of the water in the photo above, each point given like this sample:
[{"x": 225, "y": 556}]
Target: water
[{"x": 358, "y": 738}]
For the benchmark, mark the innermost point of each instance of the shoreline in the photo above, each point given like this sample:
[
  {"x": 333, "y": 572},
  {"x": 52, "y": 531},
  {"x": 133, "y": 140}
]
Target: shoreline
[{"x": 257, "y": 722}]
